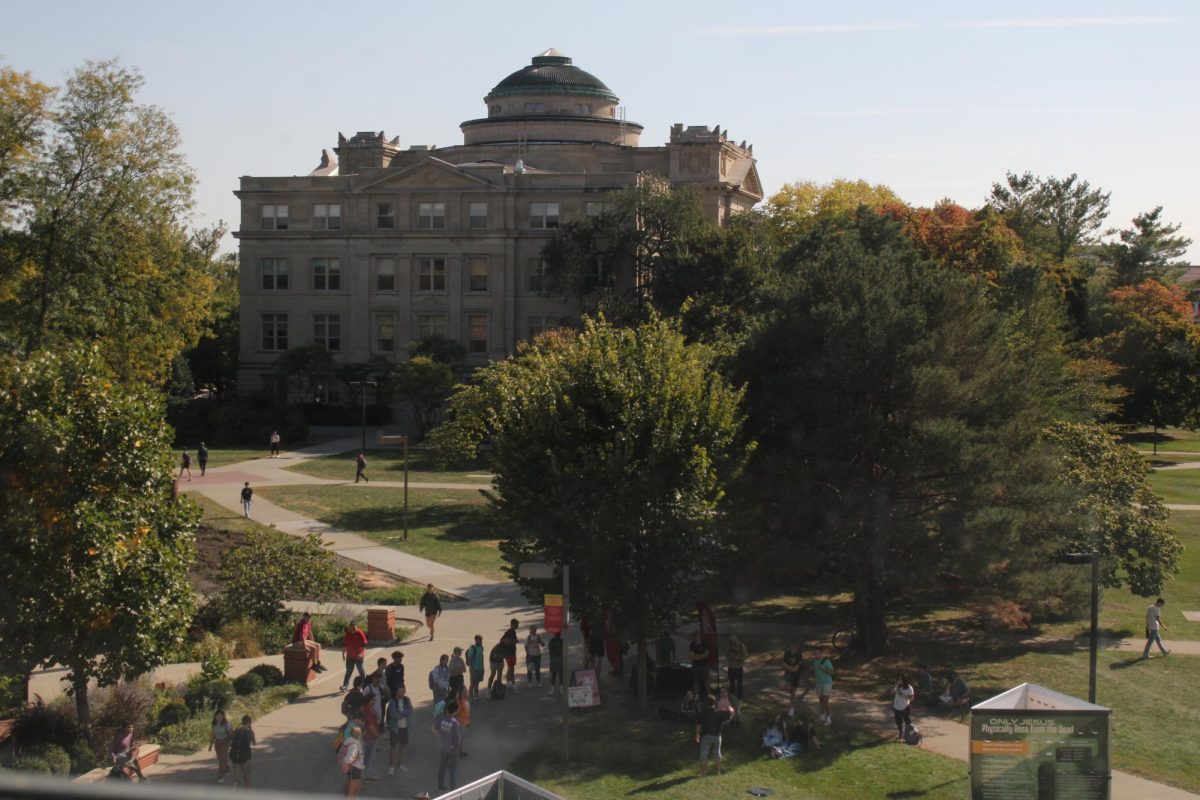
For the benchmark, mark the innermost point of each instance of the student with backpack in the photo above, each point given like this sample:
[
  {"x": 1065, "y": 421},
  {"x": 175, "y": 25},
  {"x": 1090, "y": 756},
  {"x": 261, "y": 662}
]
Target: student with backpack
[
  {"x": 240, "y": 751},
  {"x": 474, "y": 659},
  {"x": 350, "y": 759}
]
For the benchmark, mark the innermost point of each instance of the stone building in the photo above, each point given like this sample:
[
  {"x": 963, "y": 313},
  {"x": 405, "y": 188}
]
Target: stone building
[{"x": 382, "y": 244}]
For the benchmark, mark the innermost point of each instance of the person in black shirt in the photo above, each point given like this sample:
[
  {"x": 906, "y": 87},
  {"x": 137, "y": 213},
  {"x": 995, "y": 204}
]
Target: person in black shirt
[
  {"x": 431, "y": 604},
  {"x": 699, "y": 652},
  {"x": 394, "y": 674},
  {"x": 202, "y": 458},
  {"x": 708, "y": 734}
]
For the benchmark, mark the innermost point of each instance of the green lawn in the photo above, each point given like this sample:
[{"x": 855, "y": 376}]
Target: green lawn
[
  {"x": 220, "y": 457},
  {"x": 387, "y": 464},
  {"x": 217, "y": 516},
  {"x": 1169, "y": 439},
  {"x": 1166, "y": 459},
  {"x": 449, "y": 526},
  {"x": 1177, "y": 485},
  {"x": 618, "y": 753}
]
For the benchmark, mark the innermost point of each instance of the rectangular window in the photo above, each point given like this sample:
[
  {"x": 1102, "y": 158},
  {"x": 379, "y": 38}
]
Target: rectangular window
[
  {"x": 385, "y": 216},
  {"x": 594, "y": 208},
  {"x": 541, "y": 324},
  {"x": 535, "y": 108},
  {"x": 477, "y": 333},
  {"x": 537, "y": 275},
  {"x": 431, "y": 274},
  {"x": 583, "y": 108},
  {"x": 274, "y": 274},
  {"x": 431, "y": 325},
  {"x": 477, "y": 274},
  {"x": 327, "y": 274},
  {"x": 327, "y": 216},
  {"x": 275, "y": 218},
  {"x": 431, "y": 216},
  {"x": 477, "y": 217},
  {"x": 385, "y": 275},
  {"x": 327, "y": 331},
  {"x": 274, "y": 332},
  {"x": 543, "y": 216},
  {"x": 385, "y": 333}
]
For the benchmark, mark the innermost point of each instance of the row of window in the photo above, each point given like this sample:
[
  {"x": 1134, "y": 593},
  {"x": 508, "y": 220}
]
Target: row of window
[
  {"x": 430, "y": 274},
  {"x": 430, "y": 216},
  {"x": 327, "y": 330}
]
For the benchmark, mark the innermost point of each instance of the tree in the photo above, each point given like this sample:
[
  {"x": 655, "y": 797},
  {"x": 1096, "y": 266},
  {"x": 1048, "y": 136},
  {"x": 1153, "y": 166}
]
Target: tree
[
  {"x": 93, "y": 242},
  {"x": 425, "y": 384},
  {"x": 1149, "y": 334},
  {"x": 899, "y": 414},
  {"x": 305, "y": 369},
  {"x": 440, "y": 349},
  {"x": 611, "y": 450},
  {"x": 1149, "y": 249},
  {"x": 94, "y": 553},
  {"x": 214, "y": 359},
  {"x": 1121, "y": 517},
  {"x": 798, "y": 207},
  {"x": 269, "y": 566},
  {"x": 978, "y": 243},
  {"x": 1054, "y": 216}
]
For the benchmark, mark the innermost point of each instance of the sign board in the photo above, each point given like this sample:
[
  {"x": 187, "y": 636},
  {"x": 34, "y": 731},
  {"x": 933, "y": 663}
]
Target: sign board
[
  {"x": 584, "y": 690},
  {"x": 552, "y": 605},
  {"x": 1032, "y": 742},
  {"x": 536, "y": 570}
]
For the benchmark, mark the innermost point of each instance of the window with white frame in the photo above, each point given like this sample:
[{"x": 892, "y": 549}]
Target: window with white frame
[
  {"x": 327, "y": 274},
  {"x": 274, "y": 332},
  {"x": 431, "y": 216},
  {"x": 431, "y": 274},
  {"x": 327, "y": 331},
  {"x": 430, "y": 325},
  {"x": 477, "y": 333},
  {"x": 385, "y": 216},
  {"x": 275, "y": 217},
  {"x": 543, "y": 216},
  {"x": 477, "y": 274},
  {"x": 537, "y": 274},
  {"x": 477, "y": 216},
  {"x": 385, "y": 333},
  {"x": 385, "y": 275},
  {"x": 541, "y": 324},
  {"x": 327, "y": 216},
  {"x": 274, "y": 273}
]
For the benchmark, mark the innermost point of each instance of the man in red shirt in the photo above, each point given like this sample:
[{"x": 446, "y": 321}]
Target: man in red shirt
[
  {"x": 302, "y": 634},
  {"x": 354, "y": 645}
]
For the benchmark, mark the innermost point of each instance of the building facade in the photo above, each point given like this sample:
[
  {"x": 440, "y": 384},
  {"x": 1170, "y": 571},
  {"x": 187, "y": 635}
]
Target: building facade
[{"x": 383, "y": 244}]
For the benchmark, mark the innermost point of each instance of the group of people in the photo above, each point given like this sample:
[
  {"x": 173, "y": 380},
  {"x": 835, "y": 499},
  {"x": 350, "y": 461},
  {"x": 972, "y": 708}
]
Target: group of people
[{"x": 185, "y": 462}]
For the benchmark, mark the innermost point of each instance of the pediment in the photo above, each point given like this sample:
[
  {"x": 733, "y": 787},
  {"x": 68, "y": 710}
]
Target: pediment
[
  {"x": 751, "y": 183},
  {"x": 428, "y": 173}
]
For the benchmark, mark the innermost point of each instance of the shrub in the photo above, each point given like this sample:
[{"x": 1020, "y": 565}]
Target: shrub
[
  {"x": 31, "y": 762},
  {"x": 248, "y": 683},
  {"x": 39, "y": 723},
  {"x": 244, "y": 636},
  {"x": 220, "y": 693},
  {"x": 122, "y": 703},
  {"x": 329, "y": 631},
  {"x": 83, "y": 756},
  {"x": 240, "y": 420},
  {"x": 1051, "y": 593},
  {"x": 270, "y": 674},
  {"x": 405, "y": 594},
  {"x": 269, "y": 566},
  {"x": 173, "y": 713},
  {"x": 53, "y": 758}
]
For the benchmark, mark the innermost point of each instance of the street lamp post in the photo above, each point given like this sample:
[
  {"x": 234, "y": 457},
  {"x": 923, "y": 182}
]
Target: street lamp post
[
  {"x": 1094, "y": 560},
  {"x": 362, "y": 385}
]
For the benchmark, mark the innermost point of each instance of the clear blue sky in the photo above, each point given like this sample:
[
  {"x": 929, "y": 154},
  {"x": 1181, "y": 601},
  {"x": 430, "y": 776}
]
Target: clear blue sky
[{"x": 934, "y": 99}]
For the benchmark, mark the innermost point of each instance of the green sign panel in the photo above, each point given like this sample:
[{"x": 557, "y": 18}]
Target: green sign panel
[{"x": 1039, "y": 755}]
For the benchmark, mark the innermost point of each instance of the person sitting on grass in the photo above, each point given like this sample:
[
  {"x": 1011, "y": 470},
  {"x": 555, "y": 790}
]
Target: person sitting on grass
[
  {"x": 923, "y": 683},
  {"x": 776, "y": 733},
  {"x": 689, "y": 707},
  {"x": 800, "y": 733},
  {"x": 957, "y": 694}
]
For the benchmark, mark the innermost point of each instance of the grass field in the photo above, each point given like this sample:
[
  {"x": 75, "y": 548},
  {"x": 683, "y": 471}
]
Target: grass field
[
  {"x": 448, "y": 526},
  {"x": 219, "y": 457},
  {"x": 1177, "y": 485},
  {"x": 1169, "y": 440},
  {"x": 388, "y": 465}
]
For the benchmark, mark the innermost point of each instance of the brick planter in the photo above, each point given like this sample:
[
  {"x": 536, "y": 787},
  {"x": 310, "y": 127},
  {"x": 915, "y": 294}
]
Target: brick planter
[
  {"x": 297, "y": 667},
  {"x": 381, "y": 625}
]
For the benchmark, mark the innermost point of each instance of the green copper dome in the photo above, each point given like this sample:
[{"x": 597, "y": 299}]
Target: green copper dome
[{"x": 551, "y": 73}]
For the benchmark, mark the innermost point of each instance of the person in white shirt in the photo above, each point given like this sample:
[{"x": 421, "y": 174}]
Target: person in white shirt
[
  {"x": 1154, "y": 625},
  {"x": 902, "y": 698}
]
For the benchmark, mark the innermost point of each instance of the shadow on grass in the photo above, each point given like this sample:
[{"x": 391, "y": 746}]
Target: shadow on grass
[
  {"x": 921, "y": 792},
  {"x": 1145, "y": 437},
  {"x": 659, "y": 786},
  {"x": 457, "y": 522},
  {"x": 1127, "y": 663}
]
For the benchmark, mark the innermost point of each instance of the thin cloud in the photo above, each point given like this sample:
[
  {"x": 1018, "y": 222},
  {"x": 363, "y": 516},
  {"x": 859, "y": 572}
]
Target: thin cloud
[
  {"x": 984, "y": 110},
  {"x": 866, "y": 112},
  {"x": 1064, "y": 22},
  {"x": 802, "y": 30}
]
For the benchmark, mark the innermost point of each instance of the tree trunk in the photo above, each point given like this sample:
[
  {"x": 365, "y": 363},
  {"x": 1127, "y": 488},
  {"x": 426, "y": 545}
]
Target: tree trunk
[
  {"x": 870, "y": 617},
  {"x": 79, "y": 684},
  {"x": 642, "y": 689}
]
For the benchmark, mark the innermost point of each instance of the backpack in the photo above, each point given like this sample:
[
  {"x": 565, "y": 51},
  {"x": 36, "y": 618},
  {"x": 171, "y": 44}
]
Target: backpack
[
  {"x": 497, "y": 691},
  {"x": 239, "y": 746},
  {"x": 912, "y": 735},
  {"x": 343, "y": 757}
]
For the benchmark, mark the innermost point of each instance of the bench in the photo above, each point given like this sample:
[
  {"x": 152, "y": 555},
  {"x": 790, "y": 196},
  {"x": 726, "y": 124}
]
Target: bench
[{"x": 148, "y": 753}]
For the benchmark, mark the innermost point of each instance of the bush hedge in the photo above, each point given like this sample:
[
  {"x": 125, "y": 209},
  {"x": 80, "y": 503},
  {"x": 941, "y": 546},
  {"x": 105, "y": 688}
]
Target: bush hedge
[
  {"x": 248, "y": 683},
  {"x": 236, "y": 421},
  {"x": 172, "y": 713},
  {"x": 270, "y": 674}
]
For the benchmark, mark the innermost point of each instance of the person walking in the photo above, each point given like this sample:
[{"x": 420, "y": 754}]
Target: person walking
[
  {"x": 274, "y": 444},
  {"x": 555, "y": 649},
  {"x": 509, "y": 647},
  {"x": 793, "y": 672},
  {"x": 902, "y": 697},
  {"x": 185, "y": 465},
  {"x": 240, "y": 744},
  {"x": 399, "y": 720},
  {"x": 823, "y": 677},
  {"x": 449, "y": 735},
  {"x": 202, "y": 458},
  {"x": 439, "y": 679},
  {"x": 533, "y": 657},
  {"x": 474, "y": 660},
  {"x": 350, "y": 759},
  {"x": 354, "y": 645},
  {"x": 247, "y": 496},
  {"x": 708, "y": 734},
  {"x": 431, "y": 604},
  {"x": 1154, "y": 628},
  {"x": 361, "y": 464},
  {"x": 219, "y": 739},
  {"x": 735, "y": 660}
]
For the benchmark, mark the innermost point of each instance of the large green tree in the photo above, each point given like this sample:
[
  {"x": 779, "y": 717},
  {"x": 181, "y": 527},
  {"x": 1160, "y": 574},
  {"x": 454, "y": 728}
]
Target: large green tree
[
  {"x": 899, "y": 414},
  {"x": 94, "y": 551},
  {"x": 611, "y": 450},
  {"x": 94, "y": 243},
  {"x": 1151, "y": 248}
]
